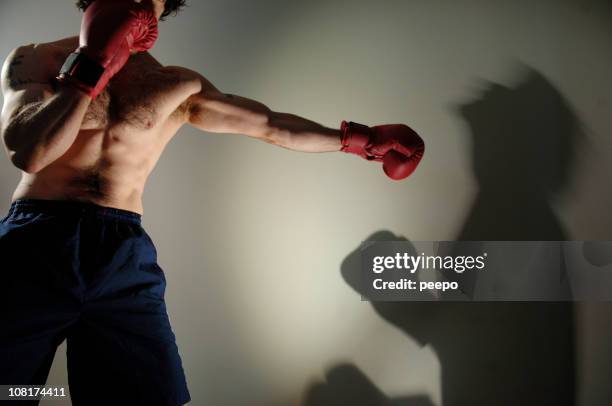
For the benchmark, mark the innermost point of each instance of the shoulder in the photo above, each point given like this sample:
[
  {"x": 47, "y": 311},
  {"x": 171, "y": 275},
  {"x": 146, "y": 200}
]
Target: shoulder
[
  {"x": 34, "y": 63},
  {"x": 35, "y": 51},
  {"x": 33, "y": 67},
  {"x": 15, "y": 64},
  {"x": 197, "y": 78},
  {"x": 144, "y": 60},
  {"x": 17, "y": 56}
]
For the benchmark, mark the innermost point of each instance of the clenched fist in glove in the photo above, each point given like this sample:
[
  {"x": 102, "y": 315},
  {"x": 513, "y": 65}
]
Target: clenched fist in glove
[
  {"x": 110, "y": 31},
  {"x": 397, "y": 146}
]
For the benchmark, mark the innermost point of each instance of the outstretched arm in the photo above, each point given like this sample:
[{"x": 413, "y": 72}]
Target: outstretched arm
[
  {"x": 397, "y": 146},
  {"x": 214, "y": 111}
]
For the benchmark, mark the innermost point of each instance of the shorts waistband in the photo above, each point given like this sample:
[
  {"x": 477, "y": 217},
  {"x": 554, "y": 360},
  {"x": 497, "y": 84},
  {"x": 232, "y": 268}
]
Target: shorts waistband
[{"x": 69, "y": 207}]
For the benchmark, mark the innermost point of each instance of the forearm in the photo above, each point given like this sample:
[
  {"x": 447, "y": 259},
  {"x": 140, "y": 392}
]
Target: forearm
[
  {"x": 42, "y": 132},
  {"x": 299, "y": 134}
]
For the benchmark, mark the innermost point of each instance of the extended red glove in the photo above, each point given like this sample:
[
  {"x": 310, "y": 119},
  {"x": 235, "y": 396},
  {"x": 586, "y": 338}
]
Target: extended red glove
[
  {"x": 397, "y": 146},
  {"x": 110, "y": 30}
]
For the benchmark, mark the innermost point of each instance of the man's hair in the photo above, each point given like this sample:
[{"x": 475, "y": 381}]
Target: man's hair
[{"x": 172, "y": 6}]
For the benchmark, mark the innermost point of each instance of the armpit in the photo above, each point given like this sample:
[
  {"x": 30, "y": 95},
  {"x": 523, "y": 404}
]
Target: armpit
[{"x": 183, "y": 111}]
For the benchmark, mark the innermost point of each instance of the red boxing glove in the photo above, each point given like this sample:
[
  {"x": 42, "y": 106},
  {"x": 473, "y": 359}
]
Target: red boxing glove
[
  {"x": 110, "y": 30},
  {"x": 397, "y": 146}
]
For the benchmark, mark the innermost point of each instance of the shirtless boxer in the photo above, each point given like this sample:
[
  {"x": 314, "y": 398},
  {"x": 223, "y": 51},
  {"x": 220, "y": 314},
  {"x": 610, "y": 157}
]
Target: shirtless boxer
[{"x": 85, "y": 120}]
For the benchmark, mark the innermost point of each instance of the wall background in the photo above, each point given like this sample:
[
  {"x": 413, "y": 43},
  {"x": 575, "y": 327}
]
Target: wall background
[{"x": 252, "y": 237}]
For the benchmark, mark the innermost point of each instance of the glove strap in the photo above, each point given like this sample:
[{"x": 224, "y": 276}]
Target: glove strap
[
  {"x": 80, "y": 69},
  {"x": 355, "y": 138}
]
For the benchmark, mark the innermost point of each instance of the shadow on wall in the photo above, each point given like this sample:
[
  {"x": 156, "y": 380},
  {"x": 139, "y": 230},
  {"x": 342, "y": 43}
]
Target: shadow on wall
[
  {"x": 346, "y": 385},
  {"x": 495, "y": 353},
  {"x": 523, "y": 151}
]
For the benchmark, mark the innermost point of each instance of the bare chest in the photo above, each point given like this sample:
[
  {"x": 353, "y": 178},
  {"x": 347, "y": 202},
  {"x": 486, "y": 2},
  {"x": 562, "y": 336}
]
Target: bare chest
[{"x": 137, "y": 97}]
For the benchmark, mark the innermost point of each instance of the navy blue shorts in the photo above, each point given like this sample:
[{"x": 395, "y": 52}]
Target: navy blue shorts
[{"x": 87, "y": 274}]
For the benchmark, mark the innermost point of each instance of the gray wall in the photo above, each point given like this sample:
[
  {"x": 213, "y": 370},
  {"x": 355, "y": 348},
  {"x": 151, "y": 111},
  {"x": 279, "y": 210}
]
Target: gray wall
[{"x": 252, "y": 238}]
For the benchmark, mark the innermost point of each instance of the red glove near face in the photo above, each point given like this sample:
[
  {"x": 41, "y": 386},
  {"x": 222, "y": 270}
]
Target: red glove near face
[
  {"x": 110, "y": 29},
  {"x": 397, "y": 146}
]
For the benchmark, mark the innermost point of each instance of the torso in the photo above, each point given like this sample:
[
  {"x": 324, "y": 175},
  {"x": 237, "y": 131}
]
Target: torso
[{"x": 122, "y": 136}]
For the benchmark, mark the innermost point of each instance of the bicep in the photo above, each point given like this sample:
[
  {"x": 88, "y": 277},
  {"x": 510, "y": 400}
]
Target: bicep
[
  {"x": 227, "y": 113},
  {"x": 230, "y": 105},
  {"x": 210, "y": 109}
]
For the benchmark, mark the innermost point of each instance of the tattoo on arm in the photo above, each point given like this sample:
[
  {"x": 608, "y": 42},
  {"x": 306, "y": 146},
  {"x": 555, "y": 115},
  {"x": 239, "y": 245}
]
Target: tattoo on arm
[{"x": 15, "y": 79}]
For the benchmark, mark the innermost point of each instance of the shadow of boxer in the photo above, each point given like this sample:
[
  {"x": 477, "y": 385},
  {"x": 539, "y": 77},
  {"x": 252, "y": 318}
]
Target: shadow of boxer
[{"x": 493, "y": 353}]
